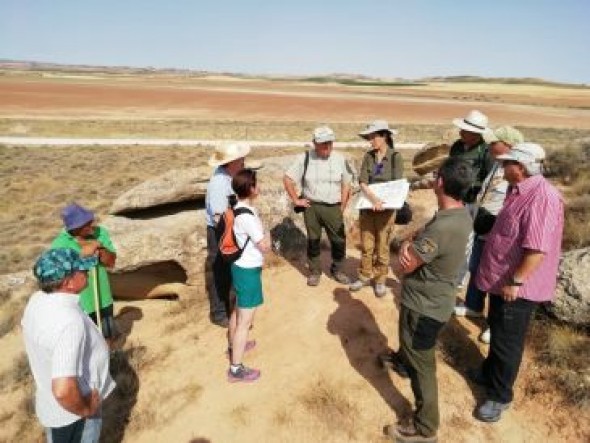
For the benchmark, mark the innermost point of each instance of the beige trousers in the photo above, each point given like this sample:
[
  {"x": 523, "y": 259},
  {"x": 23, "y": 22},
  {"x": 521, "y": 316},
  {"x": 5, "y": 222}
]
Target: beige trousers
[{"x": 376, "y": 231}]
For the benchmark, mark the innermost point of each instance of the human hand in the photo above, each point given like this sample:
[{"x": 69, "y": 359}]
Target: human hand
[
  {"x": 94, "y": 401},
  {"x": 510, "y": 293},
  {"x": 302, "y": 202},
  {"x": 404, "y": 255},
  {"x": 88, "y": 247},
  {"x": 378, "y": 206}
]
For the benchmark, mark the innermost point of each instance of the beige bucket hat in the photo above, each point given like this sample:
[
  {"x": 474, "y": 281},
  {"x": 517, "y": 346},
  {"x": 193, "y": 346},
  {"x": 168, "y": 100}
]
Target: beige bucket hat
[{"x": 228, "y": 152}]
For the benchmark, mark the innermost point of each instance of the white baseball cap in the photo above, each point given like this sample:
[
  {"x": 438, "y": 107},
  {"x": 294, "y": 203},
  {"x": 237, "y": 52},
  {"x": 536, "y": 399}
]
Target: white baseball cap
[{"x": 323, "y": 134}]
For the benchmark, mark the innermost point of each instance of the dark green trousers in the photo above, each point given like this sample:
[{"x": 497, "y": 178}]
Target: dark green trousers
[
  {"x": 329, "y": 217},
  {"x": 417, "y": 335}
]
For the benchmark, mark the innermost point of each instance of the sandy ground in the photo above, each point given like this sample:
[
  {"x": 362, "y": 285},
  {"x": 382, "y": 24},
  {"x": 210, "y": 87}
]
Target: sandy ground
[
  {"x": 316, "y": 348},
  {"x": 267, "y": 101}
]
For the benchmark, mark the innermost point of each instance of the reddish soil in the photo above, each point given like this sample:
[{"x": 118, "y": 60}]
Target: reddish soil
[{"x": 218, "y": 100}]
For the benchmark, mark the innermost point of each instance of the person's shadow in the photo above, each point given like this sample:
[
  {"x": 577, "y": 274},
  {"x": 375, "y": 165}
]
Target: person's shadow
[
  {"x": 124, "y": 321},
  {"x": 116, "y": 409},
  {"x": 289, "y": 241},
  {"x": 363, "y": 341},
  {"x": 461, "y": 353}
]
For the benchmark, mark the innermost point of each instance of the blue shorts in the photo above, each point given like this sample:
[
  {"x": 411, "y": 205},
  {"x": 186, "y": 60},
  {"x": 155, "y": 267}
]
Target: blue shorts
[{"x": 248, "y": 285}]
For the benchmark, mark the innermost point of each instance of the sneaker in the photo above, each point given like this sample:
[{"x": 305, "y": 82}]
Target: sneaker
[
  {"x": 380, "y": 290},
  {"x": 340, "y": 277},
  {"x": 392, "y": 360},
  {"x": 243, "y": 374},
  {"x": 486, "y": 336},
  {"x": 358, "y": 284},
  {"x": 313, "y": 280},
  {"x": 407, "y": 433},
  {"x": 464, "y": 311},
  {"x": 250, "y": 344},
  {"x": 491, "y": 411}
]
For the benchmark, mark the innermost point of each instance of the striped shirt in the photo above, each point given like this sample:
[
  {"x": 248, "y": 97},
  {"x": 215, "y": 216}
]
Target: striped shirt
[
  {"x": 61, "y": 341},
  {"x": 531, "y": 219}
]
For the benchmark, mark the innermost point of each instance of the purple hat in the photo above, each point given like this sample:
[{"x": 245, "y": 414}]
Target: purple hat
[{"x": 75, "y": 216}]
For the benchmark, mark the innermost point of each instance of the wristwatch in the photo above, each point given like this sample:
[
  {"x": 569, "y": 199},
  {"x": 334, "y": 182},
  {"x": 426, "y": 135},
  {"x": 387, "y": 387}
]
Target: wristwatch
[{"x": 514, "y": 282}]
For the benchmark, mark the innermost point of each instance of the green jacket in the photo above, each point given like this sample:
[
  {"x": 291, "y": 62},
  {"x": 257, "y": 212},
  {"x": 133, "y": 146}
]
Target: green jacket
[{"x": 66, "y": 240}]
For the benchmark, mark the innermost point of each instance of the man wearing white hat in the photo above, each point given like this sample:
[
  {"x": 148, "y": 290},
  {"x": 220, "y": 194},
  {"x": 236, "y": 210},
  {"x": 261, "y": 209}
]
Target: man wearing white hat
[
  {"x": 227, "y": 160},
  {"x": 473, "y": 148},
  {"x": 324, "y": 177},
  {"x": 518, "y": 269}
]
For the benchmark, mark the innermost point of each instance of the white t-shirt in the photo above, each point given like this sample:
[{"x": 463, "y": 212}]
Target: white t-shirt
[
  {"x": 62, "y": 341},
  {"x": 249, "y": 225}
]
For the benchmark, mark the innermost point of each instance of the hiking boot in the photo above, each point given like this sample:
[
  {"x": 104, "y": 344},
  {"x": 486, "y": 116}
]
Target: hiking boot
[
  {"x": 313, "y": 280},
  {"x": 407, "y": 433},
  {"x": 392, "y": 360},
  {"x": 358, "y": 284},
  {"x": 250, "y": 344},
  {"x": 340, "y": 277},
  {"x": 243, "y": 374},
  {"x": 463, "y": 311},
  {"x": 486, "y": 336},
  {"x": 380, "y": 290},
  {"x": 491, "y": 411},
  {"x": 477, "y": 376}
]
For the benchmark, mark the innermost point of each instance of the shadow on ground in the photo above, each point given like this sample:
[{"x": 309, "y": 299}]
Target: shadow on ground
[{"x": 363, "y": 341}]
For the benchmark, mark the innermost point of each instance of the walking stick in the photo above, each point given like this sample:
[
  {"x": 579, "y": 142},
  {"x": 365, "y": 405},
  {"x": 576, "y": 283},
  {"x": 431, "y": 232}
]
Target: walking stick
[{"x": 94, "y": 273}]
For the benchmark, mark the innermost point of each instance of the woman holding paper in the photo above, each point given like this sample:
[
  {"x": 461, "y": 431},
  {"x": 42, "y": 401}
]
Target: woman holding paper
[{"x": 380, "y": 164}]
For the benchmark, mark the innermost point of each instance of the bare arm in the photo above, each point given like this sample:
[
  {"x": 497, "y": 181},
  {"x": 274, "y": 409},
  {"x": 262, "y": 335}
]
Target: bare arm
[
  {"x": 67, "y": 393},
  {"x": 377, "y": 204},
  {"x": 344, "y": 195},
  {"x": 264, "y": 245},
  {"x": 530, "y": 261},
  {"x": 292, "y": 192}
]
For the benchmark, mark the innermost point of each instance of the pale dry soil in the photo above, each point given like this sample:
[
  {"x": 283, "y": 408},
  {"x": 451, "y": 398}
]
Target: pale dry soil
[{"x": 320, "y": 382}]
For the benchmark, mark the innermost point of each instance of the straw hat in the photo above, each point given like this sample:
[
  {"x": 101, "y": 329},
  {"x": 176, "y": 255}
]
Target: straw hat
[
  {"x": 430, "y": 157},
  {"x": 228, "y": 152}
]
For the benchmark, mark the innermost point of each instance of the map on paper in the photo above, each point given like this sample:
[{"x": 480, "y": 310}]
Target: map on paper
[{"x": 393, "y": 194}]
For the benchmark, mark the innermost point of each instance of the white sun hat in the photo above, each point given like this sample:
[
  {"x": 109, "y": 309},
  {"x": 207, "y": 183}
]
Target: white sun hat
[
  {"x": 474, "y": 122},
  {"x": 228, "y": 152},
  {"x": 377, "y": 126},
  {"x": 530, "y": 155}
]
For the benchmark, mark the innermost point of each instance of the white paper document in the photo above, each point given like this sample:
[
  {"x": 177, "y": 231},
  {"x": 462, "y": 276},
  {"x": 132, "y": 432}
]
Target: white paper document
[{"x": 393, "y": 194}]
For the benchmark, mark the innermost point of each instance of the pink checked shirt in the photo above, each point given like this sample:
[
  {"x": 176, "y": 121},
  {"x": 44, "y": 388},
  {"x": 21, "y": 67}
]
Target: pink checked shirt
[{"x": 532, "y": 218}]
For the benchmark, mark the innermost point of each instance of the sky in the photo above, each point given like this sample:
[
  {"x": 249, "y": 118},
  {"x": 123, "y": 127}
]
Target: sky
[{"x": 411, "y": 39}]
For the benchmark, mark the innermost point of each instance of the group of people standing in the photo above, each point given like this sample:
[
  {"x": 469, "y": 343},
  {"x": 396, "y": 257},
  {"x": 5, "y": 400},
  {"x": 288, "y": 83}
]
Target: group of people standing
[{"x": 497, "y": 216}]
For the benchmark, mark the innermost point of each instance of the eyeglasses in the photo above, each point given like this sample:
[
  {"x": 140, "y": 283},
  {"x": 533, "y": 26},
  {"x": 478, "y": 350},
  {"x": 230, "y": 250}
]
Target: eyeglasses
[{"x": 378, "y": 169}]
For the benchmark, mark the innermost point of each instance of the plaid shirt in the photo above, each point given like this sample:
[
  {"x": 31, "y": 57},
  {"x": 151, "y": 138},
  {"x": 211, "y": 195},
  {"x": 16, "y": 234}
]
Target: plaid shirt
[{"x": 532, "y": 218}]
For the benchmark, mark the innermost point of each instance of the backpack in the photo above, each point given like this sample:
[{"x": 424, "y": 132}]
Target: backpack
[{"x": 228, "y": 245}]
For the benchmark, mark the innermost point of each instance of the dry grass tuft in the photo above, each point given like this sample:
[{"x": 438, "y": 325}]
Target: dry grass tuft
[
  {"x": 327, "y": 403},
  {"x": 11, "y": 314},
  {"x": 563, "y": 356}
]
